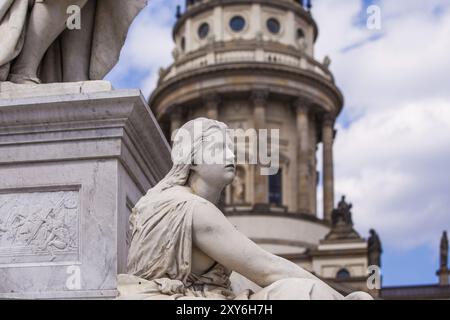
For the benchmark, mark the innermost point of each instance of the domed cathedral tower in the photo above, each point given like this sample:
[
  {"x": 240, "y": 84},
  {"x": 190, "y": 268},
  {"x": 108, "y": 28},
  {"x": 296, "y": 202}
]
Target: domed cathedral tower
[{"x": 250, "y": 64}]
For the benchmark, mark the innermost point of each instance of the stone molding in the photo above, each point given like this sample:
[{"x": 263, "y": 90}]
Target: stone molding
[
  {"x": 275, "y": 51},
  {"x": 243, "y": 69},
  {"x": 107, "y": 124}
]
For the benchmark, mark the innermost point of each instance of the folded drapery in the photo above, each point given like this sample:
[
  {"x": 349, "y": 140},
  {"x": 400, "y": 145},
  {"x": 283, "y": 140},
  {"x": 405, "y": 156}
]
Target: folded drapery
[
  {"x": 160, "y": 259},
  {"x": 112, "y": 21}
]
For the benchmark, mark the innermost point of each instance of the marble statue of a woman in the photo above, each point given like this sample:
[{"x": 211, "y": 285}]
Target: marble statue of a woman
[
  {"x": 183, "y": 247},
  {"x": 37, "y": 47}
]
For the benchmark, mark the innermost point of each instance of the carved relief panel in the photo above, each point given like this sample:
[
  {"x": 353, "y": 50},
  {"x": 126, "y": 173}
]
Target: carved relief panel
[{"x": 39, "y": 227}]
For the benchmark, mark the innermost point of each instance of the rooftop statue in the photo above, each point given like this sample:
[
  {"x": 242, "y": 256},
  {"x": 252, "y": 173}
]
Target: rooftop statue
[
  {"x": 37, "y": 47},
  {"x": 343, "y": 214},
  {"x": 374, "y": 249},
  {"x": 183, "y": 247},
  {"x": 342, "y": 222},
  {"x": 444, "y": 251}
]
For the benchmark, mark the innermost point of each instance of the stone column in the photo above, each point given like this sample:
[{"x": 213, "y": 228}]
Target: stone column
[
  {"x": 259, "y": 99},
  {"x": 303, "y": 136},
  {"x": 211, "y": 102},
  {"x": 328, "y": 175},
  {"x": 313, "y": 165},
  {"x": 176, "y": 121}
]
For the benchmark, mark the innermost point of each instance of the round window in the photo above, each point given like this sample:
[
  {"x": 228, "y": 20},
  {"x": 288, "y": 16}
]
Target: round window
[
  {"x": 203, "y": 30},
  {"x": 300, "y": 33},
  {"x": 273, "y": 25},
  {"x": 237, "y": 23}
]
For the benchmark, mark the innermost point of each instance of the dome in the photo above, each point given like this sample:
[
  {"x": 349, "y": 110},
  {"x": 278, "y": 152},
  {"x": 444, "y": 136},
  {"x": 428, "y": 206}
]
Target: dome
[{"x": 285, "y": 22}]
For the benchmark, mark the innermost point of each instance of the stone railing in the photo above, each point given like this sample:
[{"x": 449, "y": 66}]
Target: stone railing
[{"x": 259, "y": 55}]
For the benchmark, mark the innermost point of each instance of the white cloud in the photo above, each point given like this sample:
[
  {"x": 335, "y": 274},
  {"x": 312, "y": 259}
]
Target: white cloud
[
  {"x": 409, "y": 62},
  {"x": 394, "y": 167},
  {"x": 148, "y": 46},
  {"x": 392, "y": 160}
]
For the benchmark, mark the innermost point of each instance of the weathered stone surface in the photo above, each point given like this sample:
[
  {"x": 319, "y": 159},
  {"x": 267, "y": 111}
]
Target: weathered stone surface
[
  {"x": 10, "y": 91},
  {"x": 72, "y": 166},
  {"x": 39, "y": 226}
]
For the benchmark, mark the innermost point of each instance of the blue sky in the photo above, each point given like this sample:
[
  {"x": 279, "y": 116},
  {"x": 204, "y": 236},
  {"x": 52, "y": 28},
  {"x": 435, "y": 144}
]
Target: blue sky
[{"x": 393, "y": 145}]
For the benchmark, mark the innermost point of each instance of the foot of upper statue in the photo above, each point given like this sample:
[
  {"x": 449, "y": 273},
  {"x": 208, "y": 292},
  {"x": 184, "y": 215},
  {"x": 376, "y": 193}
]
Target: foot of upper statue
[{"x": 23, "y": 79}]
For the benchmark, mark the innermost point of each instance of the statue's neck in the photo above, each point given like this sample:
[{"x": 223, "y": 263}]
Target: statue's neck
[{"x": 207, "y": 191}]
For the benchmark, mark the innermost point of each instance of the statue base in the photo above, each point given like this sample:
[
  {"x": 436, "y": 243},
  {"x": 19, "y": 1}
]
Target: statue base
[
  {"x": 74, "y": 159},
  {"x": 13, "y": 91},
  {"x": 444, "y": 276}
]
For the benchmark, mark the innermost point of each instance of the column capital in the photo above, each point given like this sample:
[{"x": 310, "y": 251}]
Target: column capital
[
  {"x": 211, "y": 99},
  {"x": 301, "y": 108},
  {"x": 303, "y": 104},
  {"x": 328, "y": 119},
  {"x": 175, "y": 111},
  {"x": 259, "y": 96},
  {"x": 177, "y": 115},
  {"x": 211, "y": 102}
]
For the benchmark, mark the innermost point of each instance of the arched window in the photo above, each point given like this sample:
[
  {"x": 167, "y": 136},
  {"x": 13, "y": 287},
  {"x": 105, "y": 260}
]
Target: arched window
[
  {"x": 343, "y": 274},
  {"x": 203, "y": 30},
  {"x": 237, "y": 23},
  {"x": 275, "y": 189},
  {"x": 273, "y": 25},
  {"x": 183, "y": 44}
]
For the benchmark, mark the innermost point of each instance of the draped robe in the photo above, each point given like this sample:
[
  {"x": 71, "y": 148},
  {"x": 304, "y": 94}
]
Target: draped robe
[
  {"x": 112, "y": 20},
  {"x": 160, "y": 259}
]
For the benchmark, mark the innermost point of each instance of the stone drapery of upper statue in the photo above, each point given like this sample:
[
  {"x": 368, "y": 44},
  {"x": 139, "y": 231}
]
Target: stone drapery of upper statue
[
  {"x": 183, "y": 247},
  {"x": 37, "y": 47}
]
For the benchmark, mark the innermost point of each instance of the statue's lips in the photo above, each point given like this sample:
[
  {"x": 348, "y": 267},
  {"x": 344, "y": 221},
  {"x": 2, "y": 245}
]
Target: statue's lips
[{"x": 230, "y": 166}]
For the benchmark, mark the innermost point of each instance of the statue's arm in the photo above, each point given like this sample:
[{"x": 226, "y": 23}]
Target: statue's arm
[{"x": 218, "y": 238}]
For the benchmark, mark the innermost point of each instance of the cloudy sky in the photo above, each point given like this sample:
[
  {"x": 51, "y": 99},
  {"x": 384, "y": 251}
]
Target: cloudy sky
[{"x": 392, "y": 151}]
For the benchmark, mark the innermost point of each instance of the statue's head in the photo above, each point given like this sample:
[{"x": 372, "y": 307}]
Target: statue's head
[
  {"x": 201, "y": 147},
  {"x": 207, "y": 148}
]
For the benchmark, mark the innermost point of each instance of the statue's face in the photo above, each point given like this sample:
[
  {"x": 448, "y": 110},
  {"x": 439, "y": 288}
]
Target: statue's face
[{"x": 215, "y": 163}]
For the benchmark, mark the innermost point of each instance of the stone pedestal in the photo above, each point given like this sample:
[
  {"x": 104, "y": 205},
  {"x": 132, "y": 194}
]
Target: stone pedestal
[
  {"x": 343, "y": 262},
  {"x": 74, "y": 160},
  {"x": 444, "y": 276}
]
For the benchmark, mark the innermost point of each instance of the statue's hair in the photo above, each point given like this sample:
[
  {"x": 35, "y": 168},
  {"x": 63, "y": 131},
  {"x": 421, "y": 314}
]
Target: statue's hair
[{"x": 179, "y": 174}]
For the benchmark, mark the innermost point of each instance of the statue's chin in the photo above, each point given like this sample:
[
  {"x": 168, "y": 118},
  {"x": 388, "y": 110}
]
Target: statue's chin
[{"x": 229, "y": 177}]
